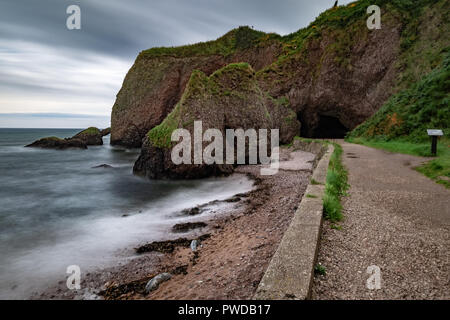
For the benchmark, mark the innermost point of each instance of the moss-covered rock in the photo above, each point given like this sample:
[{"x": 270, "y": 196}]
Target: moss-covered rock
[
  {"x": 92, "y": 136},
  {"x": 89, "y": 137},
  {"x": 228, "y": 99}
]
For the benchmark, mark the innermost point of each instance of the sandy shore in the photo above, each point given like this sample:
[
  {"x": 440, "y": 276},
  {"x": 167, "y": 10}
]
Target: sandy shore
[{"x": 238, "y": 243}]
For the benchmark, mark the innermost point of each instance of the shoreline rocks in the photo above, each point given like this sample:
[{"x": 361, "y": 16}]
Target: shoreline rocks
[
  {"x": 57, "y": 143},
  {"x": 154, "y": 283},
  {"x": 185, "y": 227},
  {"x": 90, "y": 137},
  {"x": 169, "y": 245}
]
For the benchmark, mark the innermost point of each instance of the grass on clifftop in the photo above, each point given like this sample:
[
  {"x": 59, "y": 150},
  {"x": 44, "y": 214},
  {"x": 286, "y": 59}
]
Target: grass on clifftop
[
  {"x": 237, "y": 39},
  {"x": 335, "y": 187}
]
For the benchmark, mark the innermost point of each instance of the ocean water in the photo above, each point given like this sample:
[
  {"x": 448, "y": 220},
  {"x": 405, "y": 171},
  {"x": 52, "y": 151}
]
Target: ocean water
[{"x": 57, "y": 210}]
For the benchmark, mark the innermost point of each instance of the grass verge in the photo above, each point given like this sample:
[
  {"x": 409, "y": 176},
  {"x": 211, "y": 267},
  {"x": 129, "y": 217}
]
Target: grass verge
[
  {"x": 336, "y": 184},
  {"x": 437, "y": 169},
  {"x": 335, "y": 187}
]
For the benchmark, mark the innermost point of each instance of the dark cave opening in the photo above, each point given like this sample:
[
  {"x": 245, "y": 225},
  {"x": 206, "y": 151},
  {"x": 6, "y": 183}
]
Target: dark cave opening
[{"x": 322, "y": 127}]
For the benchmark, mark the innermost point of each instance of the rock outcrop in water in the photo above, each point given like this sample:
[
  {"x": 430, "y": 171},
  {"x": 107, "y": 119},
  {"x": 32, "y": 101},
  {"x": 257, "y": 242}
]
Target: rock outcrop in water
[
  {"x": 330, "y": 76},
  {"x": 58, "y": 143},
  {"x": 90, "y": 137}
]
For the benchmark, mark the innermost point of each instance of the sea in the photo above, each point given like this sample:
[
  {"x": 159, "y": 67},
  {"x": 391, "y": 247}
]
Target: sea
[{"x": 57, "y": 210}]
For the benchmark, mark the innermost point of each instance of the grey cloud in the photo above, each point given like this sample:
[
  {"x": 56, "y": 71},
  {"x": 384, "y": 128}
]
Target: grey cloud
[
  {"x": 46, "y": 68},
  {"x": 125, "y": 27}
]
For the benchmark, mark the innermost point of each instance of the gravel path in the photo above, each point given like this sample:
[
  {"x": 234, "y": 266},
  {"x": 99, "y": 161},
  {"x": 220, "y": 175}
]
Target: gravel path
[{"x": 396, "y": 219}]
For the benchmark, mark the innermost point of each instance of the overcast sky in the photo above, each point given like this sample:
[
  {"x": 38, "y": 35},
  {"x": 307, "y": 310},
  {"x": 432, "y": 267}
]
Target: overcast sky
[{"x": 47, "y": 70}]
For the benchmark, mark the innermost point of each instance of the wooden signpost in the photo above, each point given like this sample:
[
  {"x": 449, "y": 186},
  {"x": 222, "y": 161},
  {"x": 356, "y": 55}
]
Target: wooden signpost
[{"x": 434, "y": 134}]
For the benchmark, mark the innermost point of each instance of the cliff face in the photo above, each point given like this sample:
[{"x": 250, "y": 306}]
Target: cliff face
[
  {"x": 330, "y": 77},
  {"x": 345, "y": 75},
  {"x": 422, "y": 101},
  {"x": 159, "y": 76}
]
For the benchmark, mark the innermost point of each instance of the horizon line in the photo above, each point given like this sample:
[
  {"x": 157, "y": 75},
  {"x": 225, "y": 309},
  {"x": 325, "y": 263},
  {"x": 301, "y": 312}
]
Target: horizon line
[{"x": 52, "y": 115}]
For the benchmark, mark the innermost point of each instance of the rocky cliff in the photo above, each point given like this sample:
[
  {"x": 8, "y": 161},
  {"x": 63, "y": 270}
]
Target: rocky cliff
[
  {"x": 158, "y": 78},
  {"x": 230, "y": 98},
  {"x": 330, "y": 77}
]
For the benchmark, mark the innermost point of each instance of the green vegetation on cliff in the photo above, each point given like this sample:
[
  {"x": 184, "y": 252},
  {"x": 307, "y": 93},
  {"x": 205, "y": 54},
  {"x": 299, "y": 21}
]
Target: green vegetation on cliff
[
  {"x": 347, "y": 26},
  {"x": 416, "y": 32},
  {"x": 410, "y": 112},
  {"x": 160, "y": 136},
  {"x": 401, "y": 124},
  {"x": 229, "y": 97},
  {"x": 422, "y": 100},
  {"x": 237, "y": 39},
  {"x": 198, "y": 86}
]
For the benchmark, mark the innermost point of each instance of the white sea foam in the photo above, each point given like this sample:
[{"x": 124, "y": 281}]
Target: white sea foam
[{"x": 94, "y": 241}]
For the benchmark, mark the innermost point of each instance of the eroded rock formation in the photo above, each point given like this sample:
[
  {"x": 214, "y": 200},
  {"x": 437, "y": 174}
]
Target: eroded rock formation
[
  {"x": 57, "y": 143},
  {"x": 90, "y": 137},
  {"x": 229, "y": 98}
]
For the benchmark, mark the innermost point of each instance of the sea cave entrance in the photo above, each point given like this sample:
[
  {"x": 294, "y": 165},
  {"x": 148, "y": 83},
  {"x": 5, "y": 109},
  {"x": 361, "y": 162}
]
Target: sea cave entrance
[{"x": 322, "y": 127}]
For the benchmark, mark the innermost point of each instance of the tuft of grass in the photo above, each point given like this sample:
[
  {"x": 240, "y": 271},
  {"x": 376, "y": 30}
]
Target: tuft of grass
[
  {"x": 311, "y": 196},
  {"x": 320, "y": 270},
  {"x": 336, "y": 227},
  {"x": 315, "y": 182},
  {"x": 335, "y": 187}
]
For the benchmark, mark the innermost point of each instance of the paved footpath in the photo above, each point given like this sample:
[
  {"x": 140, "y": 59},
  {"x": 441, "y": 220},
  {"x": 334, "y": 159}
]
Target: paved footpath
[{"x": 396, "y": 219}]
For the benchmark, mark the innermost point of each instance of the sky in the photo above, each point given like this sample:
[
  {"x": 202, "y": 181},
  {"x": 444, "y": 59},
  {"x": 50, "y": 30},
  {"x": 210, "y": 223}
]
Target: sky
[{"x": 53, "y": 77}]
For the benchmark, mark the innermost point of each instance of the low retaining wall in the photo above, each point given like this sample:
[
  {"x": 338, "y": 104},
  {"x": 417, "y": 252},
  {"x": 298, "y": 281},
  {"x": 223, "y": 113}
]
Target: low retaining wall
[{"x": 291, "y": 270}]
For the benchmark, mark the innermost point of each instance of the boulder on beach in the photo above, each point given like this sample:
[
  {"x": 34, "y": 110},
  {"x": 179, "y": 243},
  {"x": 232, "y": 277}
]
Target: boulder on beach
[
  {"x": 194, "y": 245},
  {"x": 154, "y": 283},
  {"x": 168, "y": 246}
]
